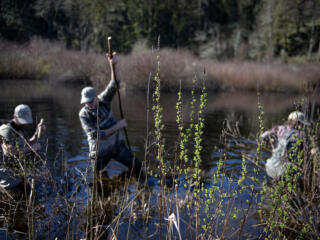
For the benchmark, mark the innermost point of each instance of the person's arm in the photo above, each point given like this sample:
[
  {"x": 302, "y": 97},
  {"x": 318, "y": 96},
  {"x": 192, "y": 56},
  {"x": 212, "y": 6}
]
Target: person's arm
[
  {"x": 89, "y": 126},
  {"x": 119, "y": 125},
  {"x": 41, "y": 128},
  {"x": 91, "y": 130},
  {"x": 107, "y": 95},
  {"x": 11, "y": 149},
  {"x": 10, "y": 146},
  {"x": 267, "y": 133},
  {"x": 268, "y": 136}
]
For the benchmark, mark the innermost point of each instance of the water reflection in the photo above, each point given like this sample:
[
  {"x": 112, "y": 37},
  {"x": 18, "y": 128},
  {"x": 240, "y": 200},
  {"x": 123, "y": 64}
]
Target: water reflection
[{"x": 59, "y": 106}]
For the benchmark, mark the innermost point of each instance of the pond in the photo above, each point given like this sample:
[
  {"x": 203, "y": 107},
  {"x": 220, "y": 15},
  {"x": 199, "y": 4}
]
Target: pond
[{"x": 59, "y": 106}]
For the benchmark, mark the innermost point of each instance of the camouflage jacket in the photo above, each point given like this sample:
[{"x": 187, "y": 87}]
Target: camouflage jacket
[{"x": 95, "y": 121}]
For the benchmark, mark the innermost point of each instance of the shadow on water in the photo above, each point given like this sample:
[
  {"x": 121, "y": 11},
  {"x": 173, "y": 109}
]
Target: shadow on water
[{"x": 67, "y": 145}]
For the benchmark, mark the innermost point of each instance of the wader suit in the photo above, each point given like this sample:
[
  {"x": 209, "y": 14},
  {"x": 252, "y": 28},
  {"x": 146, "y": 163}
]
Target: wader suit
[{"x": 102, "y": 148}]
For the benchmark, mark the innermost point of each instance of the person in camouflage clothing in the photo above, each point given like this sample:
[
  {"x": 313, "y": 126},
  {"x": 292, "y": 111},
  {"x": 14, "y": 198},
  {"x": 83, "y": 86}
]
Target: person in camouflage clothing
[{"x": 103, "y": 131}]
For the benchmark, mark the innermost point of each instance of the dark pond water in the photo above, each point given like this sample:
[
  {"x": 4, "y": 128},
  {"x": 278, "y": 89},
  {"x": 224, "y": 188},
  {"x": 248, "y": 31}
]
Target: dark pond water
[{"x": 59, "y": 106}]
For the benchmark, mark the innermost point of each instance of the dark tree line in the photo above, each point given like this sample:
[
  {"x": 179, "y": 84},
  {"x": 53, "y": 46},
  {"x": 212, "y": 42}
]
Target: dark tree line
[{"x": 255, "y": 29}]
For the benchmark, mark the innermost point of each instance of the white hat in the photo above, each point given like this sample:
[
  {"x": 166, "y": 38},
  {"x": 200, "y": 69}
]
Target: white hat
[
  {"x": 298, "y": 116},
  {"x": 23, "y": 114},
  {"x": 87, "y": 94}
]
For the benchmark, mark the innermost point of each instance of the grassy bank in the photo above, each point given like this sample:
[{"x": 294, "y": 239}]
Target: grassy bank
[{"x": 40, "y": 59}]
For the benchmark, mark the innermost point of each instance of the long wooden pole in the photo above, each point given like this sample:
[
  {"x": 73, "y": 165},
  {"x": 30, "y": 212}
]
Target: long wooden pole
[{"x": 113, "y": 72}]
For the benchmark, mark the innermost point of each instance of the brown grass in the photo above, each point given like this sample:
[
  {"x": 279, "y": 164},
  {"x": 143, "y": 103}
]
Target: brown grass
[
  {"x": 268, "y": 76},
  {"x": 41, "y": 59},
  {"x": 174, "y": 66}
]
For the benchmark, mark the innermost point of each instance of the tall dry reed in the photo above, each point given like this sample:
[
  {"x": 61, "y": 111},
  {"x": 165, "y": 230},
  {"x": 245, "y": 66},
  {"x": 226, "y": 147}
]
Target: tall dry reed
[{"x": 48, "y": 60}]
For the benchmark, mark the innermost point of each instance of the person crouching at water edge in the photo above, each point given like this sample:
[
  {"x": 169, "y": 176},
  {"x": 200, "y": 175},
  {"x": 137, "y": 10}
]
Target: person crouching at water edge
[
  {"x": 102, "y": 130},
  {"x": 288, "y": 141},
  {"x": 15, "y": 147}
]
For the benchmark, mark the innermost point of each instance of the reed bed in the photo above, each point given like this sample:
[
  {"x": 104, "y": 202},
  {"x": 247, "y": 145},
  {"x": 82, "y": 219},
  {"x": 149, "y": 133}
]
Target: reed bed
[{"x": 41, "y": 59}]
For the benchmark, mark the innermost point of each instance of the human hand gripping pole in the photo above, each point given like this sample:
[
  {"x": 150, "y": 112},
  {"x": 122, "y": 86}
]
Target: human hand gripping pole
[
  {"x": 39, "y": 133},
  {"x": 40, "y": 128},
  {"x": 34, "y": 144},
  {"x": 117, "y": 88}
]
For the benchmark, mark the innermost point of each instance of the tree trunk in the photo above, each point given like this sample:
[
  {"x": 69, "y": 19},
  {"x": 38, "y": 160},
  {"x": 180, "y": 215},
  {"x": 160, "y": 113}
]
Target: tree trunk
[
  {"x": 199, "y": 13},
  {"x": 149, "y": 19},
  {"x": 319, "y": 52},
  {"x": 311, "y": 42},
  {"x": 218, "y": 45},
  {"x": 270, "y": 21}
]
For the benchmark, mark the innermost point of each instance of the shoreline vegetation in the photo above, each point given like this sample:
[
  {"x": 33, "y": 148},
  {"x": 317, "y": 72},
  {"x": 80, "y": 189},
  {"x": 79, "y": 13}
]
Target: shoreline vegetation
[
  {"x": 41, "y": 59},
  {"x": 183, "y": 203}
]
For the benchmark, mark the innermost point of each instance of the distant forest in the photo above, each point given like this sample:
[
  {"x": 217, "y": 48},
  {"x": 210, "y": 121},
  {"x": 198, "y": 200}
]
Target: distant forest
[{"x": 216, "y": 29}]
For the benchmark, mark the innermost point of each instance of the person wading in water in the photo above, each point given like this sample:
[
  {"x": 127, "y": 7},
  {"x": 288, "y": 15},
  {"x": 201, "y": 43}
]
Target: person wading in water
[
  {"x": 103, "y": 131},
  {"x": 287, "y": 141},
  {"x": 15, "y": 146}
]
